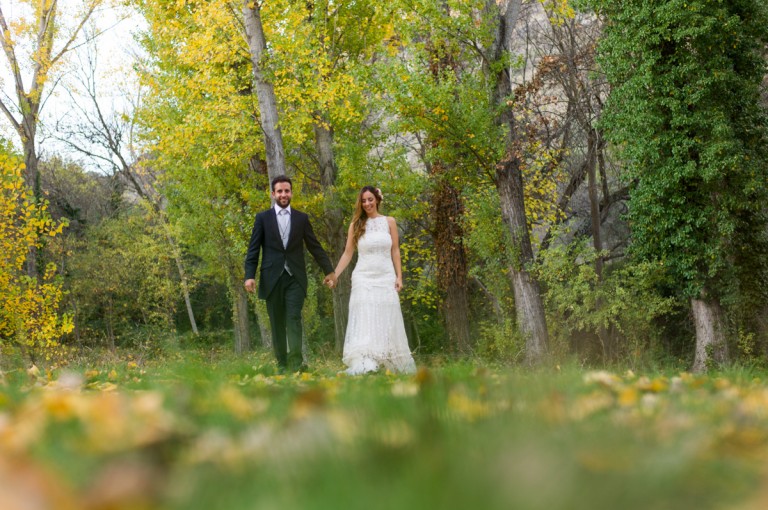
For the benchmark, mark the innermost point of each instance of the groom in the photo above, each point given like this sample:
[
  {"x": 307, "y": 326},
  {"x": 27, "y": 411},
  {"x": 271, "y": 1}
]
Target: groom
[{"x": 281, "y": 233}]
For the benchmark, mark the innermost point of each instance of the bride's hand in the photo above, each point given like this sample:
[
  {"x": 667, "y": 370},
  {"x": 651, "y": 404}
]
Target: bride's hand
[{"x": 398, "y": 284}]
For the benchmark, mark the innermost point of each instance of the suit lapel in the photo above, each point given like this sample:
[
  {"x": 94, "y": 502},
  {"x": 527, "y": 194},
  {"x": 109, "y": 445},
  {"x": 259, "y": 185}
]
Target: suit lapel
[
  {"x": 294, "y": 225},
  {"x": 274, "y": 227}
]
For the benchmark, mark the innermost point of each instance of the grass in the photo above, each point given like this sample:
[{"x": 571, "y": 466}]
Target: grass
[{"x": 202, "y": 431}]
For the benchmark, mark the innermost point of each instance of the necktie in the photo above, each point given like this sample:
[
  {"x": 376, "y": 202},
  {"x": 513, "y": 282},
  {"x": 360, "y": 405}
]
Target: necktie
[{"x": 284, "y": 225}]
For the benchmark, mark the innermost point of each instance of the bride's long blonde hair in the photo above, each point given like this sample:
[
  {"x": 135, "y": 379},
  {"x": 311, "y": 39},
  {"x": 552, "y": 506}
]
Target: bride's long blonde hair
[{"x": 360, "y": 217}]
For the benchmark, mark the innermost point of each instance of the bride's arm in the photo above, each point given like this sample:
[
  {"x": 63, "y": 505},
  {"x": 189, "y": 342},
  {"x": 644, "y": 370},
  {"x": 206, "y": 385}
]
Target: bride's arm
[
  {"x": 396, "y": 253},
  {"x": 346, "y": 257}
]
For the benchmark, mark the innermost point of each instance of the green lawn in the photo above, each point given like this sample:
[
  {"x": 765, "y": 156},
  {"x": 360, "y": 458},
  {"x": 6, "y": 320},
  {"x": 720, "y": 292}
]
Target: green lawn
[{"x": 195, "y": 432}]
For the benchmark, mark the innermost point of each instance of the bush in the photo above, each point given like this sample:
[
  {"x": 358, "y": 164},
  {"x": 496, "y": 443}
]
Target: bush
[
  {"x": 500, "y": 342},
  {"x": 28, "y": 305},
  {"x": 618, "y": 311}
]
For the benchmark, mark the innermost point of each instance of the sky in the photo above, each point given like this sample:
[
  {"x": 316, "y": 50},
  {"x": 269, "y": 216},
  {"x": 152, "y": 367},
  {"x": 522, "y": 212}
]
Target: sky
[{"x": 115, "y": 52}]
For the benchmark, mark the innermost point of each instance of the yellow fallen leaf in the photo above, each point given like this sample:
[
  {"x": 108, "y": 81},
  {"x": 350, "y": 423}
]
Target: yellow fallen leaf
[
  {"x": 602, "y": 377},
  {"x": 25, "y": 484},
  {"x": 628, "y": 396}
]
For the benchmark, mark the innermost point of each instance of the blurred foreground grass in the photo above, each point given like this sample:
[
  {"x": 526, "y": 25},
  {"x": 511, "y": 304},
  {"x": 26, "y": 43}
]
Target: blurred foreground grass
[{"x": 225, "y": 433}]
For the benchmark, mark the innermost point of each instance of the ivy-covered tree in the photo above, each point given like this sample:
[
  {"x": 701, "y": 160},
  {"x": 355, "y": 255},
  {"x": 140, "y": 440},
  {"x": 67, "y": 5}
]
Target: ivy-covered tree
[{"x": 685, "y": 109}]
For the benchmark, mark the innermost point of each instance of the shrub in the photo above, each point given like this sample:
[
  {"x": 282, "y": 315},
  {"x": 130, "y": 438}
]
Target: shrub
[
  {"x": 618, "y": 310},
  {"x": 28, "y": 306}
]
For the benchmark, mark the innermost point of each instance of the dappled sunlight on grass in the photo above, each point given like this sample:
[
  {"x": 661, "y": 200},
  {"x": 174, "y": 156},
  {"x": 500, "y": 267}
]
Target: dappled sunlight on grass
[{"x": 230, "y": 433}]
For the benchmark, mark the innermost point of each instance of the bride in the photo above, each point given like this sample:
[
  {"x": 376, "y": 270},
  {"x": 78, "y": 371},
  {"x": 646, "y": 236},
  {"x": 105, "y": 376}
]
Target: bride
[{"x": 375, "y": 337}]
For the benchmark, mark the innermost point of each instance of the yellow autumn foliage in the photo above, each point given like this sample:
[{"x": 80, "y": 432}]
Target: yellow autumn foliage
[{"x": 28, "y": 308}]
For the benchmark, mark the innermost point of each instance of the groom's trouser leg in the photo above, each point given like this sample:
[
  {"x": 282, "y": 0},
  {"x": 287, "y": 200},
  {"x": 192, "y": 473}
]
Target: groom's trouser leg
[
  {"x": 276, "y": 311},
  {"x": 294, "y": 302}
]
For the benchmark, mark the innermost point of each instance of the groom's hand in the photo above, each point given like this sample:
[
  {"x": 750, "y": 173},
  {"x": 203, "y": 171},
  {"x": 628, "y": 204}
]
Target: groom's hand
[
  {"x": 330, "y": 280},
  {"x": 250, "y": 285}
]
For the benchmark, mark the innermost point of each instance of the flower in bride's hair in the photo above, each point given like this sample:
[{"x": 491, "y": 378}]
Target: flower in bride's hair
[{"x": 381, "y": 195}]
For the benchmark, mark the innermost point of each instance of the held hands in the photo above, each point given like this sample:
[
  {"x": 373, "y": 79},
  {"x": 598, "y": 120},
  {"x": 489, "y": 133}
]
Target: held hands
[{"x": 330, "y": 280}]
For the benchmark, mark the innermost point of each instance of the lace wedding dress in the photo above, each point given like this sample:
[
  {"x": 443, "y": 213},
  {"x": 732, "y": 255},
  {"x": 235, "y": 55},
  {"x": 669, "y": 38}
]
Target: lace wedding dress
[{"x": 375, "y": 331}]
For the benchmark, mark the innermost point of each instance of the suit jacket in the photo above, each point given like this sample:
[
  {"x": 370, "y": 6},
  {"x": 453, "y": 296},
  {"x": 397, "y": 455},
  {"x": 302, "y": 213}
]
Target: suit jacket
[{"x": 265, "y": 238}]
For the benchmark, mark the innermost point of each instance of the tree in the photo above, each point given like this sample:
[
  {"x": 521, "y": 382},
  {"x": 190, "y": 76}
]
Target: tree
[
  {"x": 265, "y": 90},
  {"x": 346, "y": 37},
  {"x": 199, "y": 122},
  {"x": 473, "y": 112},
  {"x": 28, "y": 308},
  {"x": 108, "y": 140},
  {"x": 685, "y": 111},
  {"x": 448, "y": 213},
  {"x": 50, "y": 35},
  {"x": 308, "y": 77},
  {"x": 570, "y": 64},
  {"x": 319, "y": 63},
  {"x": 509, "y": 182}
]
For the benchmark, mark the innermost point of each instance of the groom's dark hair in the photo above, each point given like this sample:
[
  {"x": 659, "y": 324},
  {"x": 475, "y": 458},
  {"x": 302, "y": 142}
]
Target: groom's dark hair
[{"x": 281, "y": 178}]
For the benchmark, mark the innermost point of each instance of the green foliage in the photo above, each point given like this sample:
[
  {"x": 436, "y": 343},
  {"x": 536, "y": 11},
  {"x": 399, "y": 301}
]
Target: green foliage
[
  {"x": 29, "y": 307},
  {"x": 200, "y": 123},
  {"x": 500, "y": 342},
  {"x": 685, "y": 110},
  {"x": 748, "y": 349},
  {"x": 626, "y": 301},
  {"x": 317, "y": 66},
  {"x": 122, "y": 279},
  {"x": 487, "y": 240},
  {"x": 437, "y": 88}
]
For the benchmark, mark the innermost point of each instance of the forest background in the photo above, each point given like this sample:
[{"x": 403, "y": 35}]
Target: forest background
[
  {"x": 572, "y": 180},
  {"x": 580, "y": 188}
]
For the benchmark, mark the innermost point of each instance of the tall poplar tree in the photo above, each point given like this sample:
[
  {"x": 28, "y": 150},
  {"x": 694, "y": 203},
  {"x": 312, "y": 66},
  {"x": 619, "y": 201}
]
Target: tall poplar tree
[
  {"x": 685, "y": 109},
  {"x": 198, "y": 123}
]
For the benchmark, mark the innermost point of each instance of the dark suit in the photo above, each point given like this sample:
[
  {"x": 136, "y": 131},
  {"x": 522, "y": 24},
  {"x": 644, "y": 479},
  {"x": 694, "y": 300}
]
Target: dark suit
[{"x": 284, "y": 290}]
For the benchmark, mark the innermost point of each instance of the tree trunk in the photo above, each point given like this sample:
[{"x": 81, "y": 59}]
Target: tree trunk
[
  {"x": 448, "y": 234},
  {"x": 262, "y": 317},
  {"x": 594, "y": 200},
  {"x": 711, "y": 347},
  {"x": 447, "y": 211},
  {"x": 606, "y": 343},
  {"x": 240, "y": 319},
  {"x": 43, "y": 58},
  {"x": 32, "y": 177},
  {"x": 412, "y": 330},
  {"x": 265, "y": 91},
  {"x": 182, "y": 276},
  {"x": 270, "y": 122},
  {"x": 336, "y": 232},
  {"x": 529, "y": 307},
  {"x": 110, "y": 327}
]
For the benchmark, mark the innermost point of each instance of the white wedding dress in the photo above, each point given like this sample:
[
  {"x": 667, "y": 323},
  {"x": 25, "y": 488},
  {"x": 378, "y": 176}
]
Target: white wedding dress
[{"x": 375, "y": 331}]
